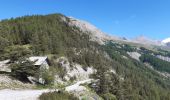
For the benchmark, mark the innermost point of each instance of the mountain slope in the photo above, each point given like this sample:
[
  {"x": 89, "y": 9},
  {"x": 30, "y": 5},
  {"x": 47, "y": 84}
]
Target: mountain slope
[
  {"x": 117, "y": 73},
  {"x": 93, "y": 32}
]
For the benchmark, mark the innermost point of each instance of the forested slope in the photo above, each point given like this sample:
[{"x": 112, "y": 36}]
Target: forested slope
[{"x": 50, "y": 35}]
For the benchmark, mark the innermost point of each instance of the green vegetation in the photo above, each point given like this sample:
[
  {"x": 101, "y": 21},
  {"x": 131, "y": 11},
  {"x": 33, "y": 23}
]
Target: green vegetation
[
  {"x": 49, "y": 35},
  {"x": 157, "y": 63},
  {"x": 15, "y": 52},
  {"x": 109, "y": 96},
  {"x": 45, "y": 34},
  {"x": 48, "y": 76},
  {"x": 57, "y": 96},
  {"x": 22, "y": 69},
  {"x": 138, "y": 81}
]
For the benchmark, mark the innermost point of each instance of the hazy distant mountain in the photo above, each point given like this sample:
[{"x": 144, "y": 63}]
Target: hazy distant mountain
[
  {"x": 166, "y": 42},
  {"x": 146, "y": 41}
]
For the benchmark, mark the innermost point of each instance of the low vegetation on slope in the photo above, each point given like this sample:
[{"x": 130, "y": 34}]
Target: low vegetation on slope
[{"x": 57, "y": 96}]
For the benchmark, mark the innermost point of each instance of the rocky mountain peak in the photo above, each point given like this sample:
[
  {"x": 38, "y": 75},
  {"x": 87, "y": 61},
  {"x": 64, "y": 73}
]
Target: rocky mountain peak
[{"x": 94, "y": 33}]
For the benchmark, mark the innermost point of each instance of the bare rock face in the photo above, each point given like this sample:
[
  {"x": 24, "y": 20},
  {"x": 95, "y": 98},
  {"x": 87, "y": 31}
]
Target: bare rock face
[
  {"x": 134, "y": 55},
  {"x": 94, "y": 33},
  {"x": 4, "y": 66},
  {"x": 72, "y": 71}
]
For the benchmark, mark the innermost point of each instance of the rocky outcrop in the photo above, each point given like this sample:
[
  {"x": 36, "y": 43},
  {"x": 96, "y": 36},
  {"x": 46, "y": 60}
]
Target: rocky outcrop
[
  {"x": 134, "y": 55},
  {"x": 4, "y": 66},
  {"x": 73, "y": 70}
]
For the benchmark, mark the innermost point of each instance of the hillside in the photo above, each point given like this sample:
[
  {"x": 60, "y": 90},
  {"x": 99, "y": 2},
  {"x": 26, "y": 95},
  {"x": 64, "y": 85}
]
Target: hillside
[{"x": 78, "y": 51}]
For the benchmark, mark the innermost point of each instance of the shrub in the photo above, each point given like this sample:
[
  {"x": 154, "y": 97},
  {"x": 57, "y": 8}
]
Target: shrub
[
  {"x": 48, "y": 77},
  {"x": 57, "y": 96},
  {"x": 109, "y": 96},
  {"x": 22, "y": 69}
]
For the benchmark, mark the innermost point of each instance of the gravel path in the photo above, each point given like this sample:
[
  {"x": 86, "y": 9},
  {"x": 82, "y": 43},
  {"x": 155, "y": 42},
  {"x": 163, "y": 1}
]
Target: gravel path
[{"x": 7, "y": 94}]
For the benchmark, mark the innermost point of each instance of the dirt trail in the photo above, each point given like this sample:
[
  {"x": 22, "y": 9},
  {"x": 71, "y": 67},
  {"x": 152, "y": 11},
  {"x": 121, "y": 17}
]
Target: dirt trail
[{"x": 8, "y": 94}]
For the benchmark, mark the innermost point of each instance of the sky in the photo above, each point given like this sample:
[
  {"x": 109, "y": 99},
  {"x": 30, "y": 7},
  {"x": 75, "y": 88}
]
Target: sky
[{"x": 124, "y": 18}]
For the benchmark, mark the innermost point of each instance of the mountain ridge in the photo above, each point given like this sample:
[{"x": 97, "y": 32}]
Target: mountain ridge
[{"x": 99, "y": 36}]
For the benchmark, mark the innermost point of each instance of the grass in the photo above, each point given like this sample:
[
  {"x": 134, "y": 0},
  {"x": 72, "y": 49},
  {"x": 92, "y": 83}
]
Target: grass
[{"x": 57, "y": 96}]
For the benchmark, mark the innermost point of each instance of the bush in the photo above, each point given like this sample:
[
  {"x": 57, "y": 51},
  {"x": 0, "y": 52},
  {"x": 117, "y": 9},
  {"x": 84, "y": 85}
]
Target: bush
[
  {"x": 48, "y": 77},
  {"x": 22, "y": 69},
  {"x": 57, "y": 96},
  {"x": 109, "y": 96},
  {"x": 14, "y": 53}
]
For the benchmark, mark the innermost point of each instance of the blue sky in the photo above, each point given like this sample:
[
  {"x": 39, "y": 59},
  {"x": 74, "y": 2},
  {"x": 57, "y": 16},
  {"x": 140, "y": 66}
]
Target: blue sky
[{"x": 125, "y": 18}]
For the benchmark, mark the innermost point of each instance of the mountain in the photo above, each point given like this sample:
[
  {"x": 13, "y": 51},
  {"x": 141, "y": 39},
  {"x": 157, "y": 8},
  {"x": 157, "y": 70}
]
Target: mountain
[
  {"x": 101, "y": 37},
  {"x": 166, "y": 42},
  {"x": 146, "y": 41},
  {"x": 79, "y": 51},
  {"x": 95, "y": 33}
]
